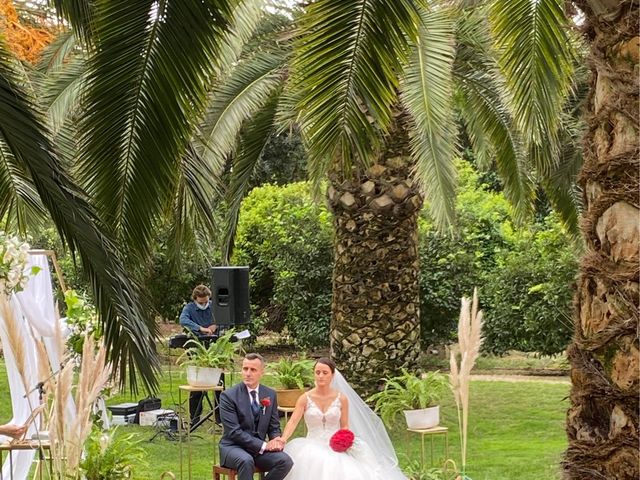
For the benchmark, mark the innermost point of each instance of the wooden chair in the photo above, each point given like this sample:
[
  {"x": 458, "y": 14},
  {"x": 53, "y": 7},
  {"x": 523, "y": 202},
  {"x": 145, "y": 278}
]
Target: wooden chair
[{"x": 230, "y": 473}]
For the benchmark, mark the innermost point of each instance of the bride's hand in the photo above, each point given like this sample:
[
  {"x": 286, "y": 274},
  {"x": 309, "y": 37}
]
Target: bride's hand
[{"x": 275, "y": 444}]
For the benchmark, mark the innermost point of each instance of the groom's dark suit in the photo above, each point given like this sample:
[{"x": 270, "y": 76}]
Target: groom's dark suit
[{"x": 245, "y": 433}]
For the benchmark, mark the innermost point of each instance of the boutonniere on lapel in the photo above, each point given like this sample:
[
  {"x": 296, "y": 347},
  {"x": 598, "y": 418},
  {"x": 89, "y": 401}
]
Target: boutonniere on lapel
[{"x": 265, "y": 402}]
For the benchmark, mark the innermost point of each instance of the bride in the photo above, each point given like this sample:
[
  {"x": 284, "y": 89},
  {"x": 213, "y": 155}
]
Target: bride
[{"x": 328, "y": 407}]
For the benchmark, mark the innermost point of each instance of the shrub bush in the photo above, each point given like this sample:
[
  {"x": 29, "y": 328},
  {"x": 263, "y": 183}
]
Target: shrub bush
[
  {"x": 529, "y": 293},
  {"x": 452, "y": 265},
  {"x": 285, "y": 238}
]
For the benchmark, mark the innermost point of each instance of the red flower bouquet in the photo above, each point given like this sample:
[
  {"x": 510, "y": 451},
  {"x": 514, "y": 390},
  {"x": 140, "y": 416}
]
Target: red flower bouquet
[{"x": 342, "y": 440}]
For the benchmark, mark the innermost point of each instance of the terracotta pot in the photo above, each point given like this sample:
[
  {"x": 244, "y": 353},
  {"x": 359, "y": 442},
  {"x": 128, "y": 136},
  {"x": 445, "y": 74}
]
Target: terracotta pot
[{"x": 288, "y": 398}]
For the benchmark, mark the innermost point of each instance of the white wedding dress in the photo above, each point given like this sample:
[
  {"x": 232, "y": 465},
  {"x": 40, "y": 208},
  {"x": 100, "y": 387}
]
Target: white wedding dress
[{"x": 314, "y": 459}]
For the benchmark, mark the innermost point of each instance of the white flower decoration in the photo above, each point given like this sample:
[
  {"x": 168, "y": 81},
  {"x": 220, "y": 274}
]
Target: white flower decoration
[{"x": 14, "y": 267}]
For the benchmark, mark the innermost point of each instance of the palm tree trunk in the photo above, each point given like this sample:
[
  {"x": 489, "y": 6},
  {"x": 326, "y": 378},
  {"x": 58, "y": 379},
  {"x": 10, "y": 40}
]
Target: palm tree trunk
[
  {"x": 602, "y": 422},
  {"x": 375, "y": 324}
]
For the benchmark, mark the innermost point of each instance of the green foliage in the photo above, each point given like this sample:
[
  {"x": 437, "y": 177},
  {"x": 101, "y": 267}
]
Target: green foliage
[
  {"x": 112, "y": 457},
  {"x": 82, "y": 319},
  {"x": 417, "y": 470},
  {"x": 170, "y": 283},
  {"x": 219, "y": 354},
  {"x": 283, "y": 160},
  {"x": 285, "y": 238},
  {"x": 292, "y": 373},
  {"x": 408, "y": 392},
  {"x": 529, "y": 298},
  {"x": 452, "y": 265},
  {"x": 525, "y": 274}
]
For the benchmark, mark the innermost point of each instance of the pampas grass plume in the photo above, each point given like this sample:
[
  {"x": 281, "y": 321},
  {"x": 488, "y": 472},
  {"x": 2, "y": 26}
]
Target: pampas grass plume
[{"x": 469, "y": 343}]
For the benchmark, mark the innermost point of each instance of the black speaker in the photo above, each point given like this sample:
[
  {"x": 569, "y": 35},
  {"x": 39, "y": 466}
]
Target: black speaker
[{"x": 230, "y": 295}]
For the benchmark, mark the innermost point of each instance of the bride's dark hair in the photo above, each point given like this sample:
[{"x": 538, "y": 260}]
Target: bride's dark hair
[{"x": 328, "y": 362}]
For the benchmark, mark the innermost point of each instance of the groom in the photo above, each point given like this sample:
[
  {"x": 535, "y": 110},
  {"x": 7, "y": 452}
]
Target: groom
[{"x": 249, "y": 414}]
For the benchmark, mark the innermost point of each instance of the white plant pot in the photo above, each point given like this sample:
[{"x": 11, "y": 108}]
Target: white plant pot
[
  {"x": 203, "y": 376},
  {"x": 423, "y": 418}
]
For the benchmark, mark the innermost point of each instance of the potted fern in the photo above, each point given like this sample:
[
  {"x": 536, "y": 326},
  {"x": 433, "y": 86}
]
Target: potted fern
[
  {"x": 294, "y": 377},
  {"x": 416, "y": 397},
  {"x": 206, "y": 364}
]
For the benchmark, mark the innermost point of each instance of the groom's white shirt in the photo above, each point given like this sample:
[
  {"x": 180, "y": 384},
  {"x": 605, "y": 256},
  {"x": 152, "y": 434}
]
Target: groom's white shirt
[{"x": 257, "y": 390}]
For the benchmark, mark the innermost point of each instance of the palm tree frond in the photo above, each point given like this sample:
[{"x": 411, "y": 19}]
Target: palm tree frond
[
  {"x": 147, "y": 82},
  {"x": 536, "y": 56},
  {"x": 56, "y": 53},
  {"x": 487, "y": 120},
  {"x": 485, "y": 113},
  {"x": 129, "y": 332},
  {"x": 20, "y": 206},
  {"x": 427, "y": 94},
  {"x": 193, "y": 209},
  {"x": 246, "y": 17},
  {"x": 348, "y": 59},
  {"x": 253, "y": 140},
  {"x": 81, "y": 16},
  {"x": 62, "y": 89},
  {"x": 245, "y": 91}
]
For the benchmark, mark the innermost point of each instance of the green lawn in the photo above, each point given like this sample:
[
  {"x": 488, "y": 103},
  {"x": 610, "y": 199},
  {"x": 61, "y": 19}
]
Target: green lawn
[{"x": 516, "y": 431}]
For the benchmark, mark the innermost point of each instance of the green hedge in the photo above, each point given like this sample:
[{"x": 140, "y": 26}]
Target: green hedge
[
  {"x": 285, "y": 238},
  {"x": 529, "y": 299},
  {"x": 525, "y": 275},
  {"x": 452, "y": 265}
]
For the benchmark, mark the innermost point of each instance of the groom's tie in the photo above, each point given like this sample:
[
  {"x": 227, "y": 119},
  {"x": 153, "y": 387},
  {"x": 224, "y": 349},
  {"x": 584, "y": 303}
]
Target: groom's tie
[{"x": 255, "y": 408}]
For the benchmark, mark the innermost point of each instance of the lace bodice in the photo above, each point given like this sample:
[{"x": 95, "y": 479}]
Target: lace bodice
[{"x": 322, "y": 424}]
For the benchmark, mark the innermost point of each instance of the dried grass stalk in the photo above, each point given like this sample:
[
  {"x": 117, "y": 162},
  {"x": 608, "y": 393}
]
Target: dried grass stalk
[
  {"x": 44, "y": 374},
  {"x": 68, "y": 436},
  {"x": 469, "y": 343},
  {"x": 14, "y": 339},
  {"x": 62, "y": 386},
  {"x": 94, "y": 375}
]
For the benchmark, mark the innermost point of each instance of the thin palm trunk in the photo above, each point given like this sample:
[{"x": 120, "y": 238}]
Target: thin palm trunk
[
  {"x": 375, "y": 325},
  {"x": 602, "y": 422}
]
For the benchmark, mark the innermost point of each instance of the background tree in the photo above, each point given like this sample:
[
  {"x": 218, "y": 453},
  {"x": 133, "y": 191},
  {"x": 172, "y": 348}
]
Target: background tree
[
  {"x": 602, "y": 423},
  {"x": 143, "y": 88},
  {"x": 377, "y": 84}
]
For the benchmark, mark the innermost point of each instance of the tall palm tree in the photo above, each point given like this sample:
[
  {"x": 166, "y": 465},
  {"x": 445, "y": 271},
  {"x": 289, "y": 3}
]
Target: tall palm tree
[
  {"x": 375, "y": 329},
  {"x": 602, "y": 422},
  {"x": 349, "y": 68},
  {"x": 378, "y": 83}
]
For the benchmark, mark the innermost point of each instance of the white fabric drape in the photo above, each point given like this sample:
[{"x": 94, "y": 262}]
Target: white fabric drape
[
  {"x": 21, "y": 406},
  {"x": 38, "y": 305},
  {"x": 34, "y": 310}
]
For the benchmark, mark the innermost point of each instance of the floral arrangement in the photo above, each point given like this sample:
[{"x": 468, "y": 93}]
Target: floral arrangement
[
  {"x": 14, "y": 259},
  {"x": 265, "y": 402},
  {"x": 342, "y": 440}
]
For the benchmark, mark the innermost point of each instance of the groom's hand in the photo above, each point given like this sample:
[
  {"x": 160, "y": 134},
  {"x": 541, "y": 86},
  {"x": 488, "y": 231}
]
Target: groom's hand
[{"x": 275, "y": 445}]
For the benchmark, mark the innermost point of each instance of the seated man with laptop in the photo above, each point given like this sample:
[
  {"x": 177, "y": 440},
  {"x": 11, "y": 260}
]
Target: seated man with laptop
[{"x": 197, "y": 316}]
